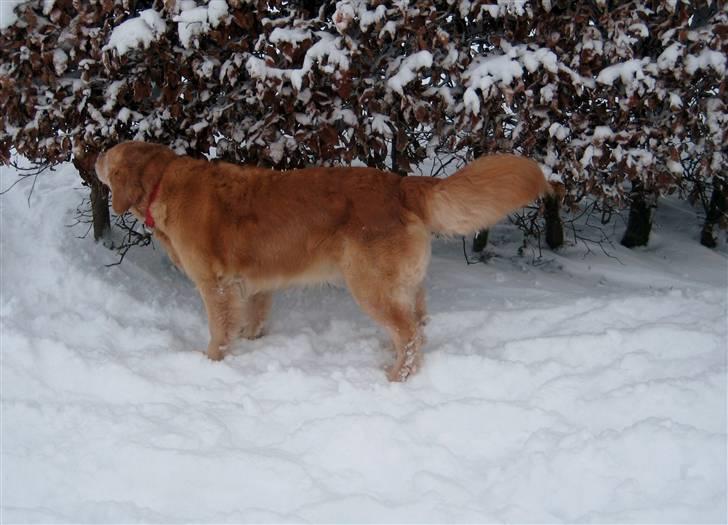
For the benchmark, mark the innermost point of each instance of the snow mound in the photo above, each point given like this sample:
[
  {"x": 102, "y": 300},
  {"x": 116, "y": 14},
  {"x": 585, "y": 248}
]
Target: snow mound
[{"x": 584, "y": 389}]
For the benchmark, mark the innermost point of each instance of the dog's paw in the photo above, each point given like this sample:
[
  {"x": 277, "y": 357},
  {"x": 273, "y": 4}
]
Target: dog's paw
[
  {"x": 252, "y": 333},
  {"x": 401, "y": 374},
  {"x": 216, "y": 353},
  {"x": 405, "y": 367}
]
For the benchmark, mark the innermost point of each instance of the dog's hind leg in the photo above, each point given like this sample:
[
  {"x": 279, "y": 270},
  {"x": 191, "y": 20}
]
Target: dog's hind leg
[
  {"x": 421, "y": 306},
  {"x": 388, "y": 287},
  {"x": 394, "y": 310},
  {"x": 225, "y": 315},
  {"x": 255, "y": 311}
]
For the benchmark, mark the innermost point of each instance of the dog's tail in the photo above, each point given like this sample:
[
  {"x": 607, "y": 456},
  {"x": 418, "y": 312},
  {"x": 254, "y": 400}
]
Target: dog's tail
[{"x": 476, "y": 196}]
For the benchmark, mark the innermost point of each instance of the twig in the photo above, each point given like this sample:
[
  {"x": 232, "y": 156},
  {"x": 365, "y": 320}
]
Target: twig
[
  {"x": 35, "y": 170},
  {"x": 133, "y": 237}
]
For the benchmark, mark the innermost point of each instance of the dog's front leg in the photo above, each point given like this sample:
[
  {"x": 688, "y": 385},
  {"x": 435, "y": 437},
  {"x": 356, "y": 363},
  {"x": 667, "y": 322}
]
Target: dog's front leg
[{"x": 225, "y": 315}]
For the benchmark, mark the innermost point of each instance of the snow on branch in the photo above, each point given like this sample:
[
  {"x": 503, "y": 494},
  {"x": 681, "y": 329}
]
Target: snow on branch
[
  {"x": 137, "y": 32},
  {"x": 408, "y": 68},
  {"x": 327, "y": 55},
  {"x": 634, "y": 75},
  {"x": 193, "y": 20}
]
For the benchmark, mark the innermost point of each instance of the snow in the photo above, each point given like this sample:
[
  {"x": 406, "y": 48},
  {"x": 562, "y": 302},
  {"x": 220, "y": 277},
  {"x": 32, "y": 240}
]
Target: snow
[
  {"x": 587, "y": 388},
  {"x": 486, "y": 72},
  {"x": 381, "y": 124},
  {"x": 534, "y": 59},
  {"x": 343, "y": 15},
  {"x": 367, "y": 17},
  {"x": 124, "y": 115},
  {"x": 498, "y": 10},
  {"x": 471, "y": 101},
  {"x": 277, "y": 149},
  {"x": 407, "y": 71},
  {"x": 675, "y": 167},
  {"x": 589, "y": 153},
  {"x": 347, "y": 10},
  {"x": 60, "y": 61},
  {"x": 639, "y": 158},
  {"x": 668, "y": 58},
  {"x": 708, "y": 58},
  {"x": 193, "y": 15},
  {"x": 548, "y": 92},
  {"x": 294, "y": 36},
  {"x": 640, "y": 29},
  {"x": 447, "y": 97},
  {"x": 48, "y": 6},
  {"x": 602, "y": 133},
  {"x": 675, "y": 101},
  {"x": 327, "y": 53},
  {"x": 257, "y": 68},
  {"x": 217, "y": 11},
  {"x": 452, "y": 56},
  {"x": 632, "y": 73},
  {"x": 193, "y": 20},
  {"x": 346, "y": 115},
  {"x": 7, "y": 12},
  {"x": 390, "y": 28},
  {"x": 559, "y": 131},
  {"x": 138, "y": 31},
  {"x": 329, "y": 48},
  {"x": 716, "y": 117}
]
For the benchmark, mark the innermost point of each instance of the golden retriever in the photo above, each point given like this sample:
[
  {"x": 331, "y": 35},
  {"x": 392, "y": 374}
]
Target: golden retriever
[{"x": 241, "y": 232}]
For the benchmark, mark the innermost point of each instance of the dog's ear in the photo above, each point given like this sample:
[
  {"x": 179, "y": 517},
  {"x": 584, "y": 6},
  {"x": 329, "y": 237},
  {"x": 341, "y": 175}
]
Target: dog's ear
[{"x": 126, "y": 190}]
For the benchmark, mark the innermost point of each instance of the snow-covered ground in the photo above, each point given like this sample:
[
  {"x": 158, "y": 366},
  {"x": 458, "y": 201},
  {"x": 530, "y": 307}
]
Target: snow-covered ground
[{"x": 585, "y": 388}]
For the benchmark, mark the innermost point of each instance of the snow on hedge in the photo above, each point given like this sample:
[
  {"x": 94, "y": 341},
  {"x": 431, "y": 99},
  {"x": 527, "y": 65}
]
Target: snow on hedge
[
  {"x": 136, "y": 32},
  {"x": 327, "y": 55},
  {"x": 632, "y": 73},
  {"x": 7, "y": 12},
  {"x": 349, "y": 10},
  {"x": 407, "y": 71},
  {"x": 194, "y": 20}
]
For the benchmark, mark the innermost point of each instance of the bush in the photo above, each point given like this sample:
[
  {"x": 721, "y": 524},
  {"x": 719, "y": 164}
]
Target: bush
[{"x": 622, "y": 102}]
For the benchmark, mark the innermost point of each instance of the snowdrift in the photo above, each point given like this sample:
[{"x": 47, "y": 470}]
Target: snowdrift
[{"x": 585, "y": 388}]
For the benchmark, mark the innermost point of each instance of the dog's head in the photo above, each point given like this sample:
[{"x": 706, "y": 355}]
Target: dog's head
[{"x": 130, "y": 170}]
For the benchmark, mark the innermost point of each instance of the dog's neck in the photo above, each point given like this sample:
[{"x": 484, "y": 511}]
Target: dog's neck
[{"x": 148, "y": 219}]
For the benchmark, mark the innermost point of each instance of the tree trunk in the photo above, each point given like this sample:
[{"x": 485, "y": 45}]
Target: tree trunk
[
  {"x": 639, "y": 223},
  {"x": 100, "y": 211},
  {"x": 395, "y": 154},
  {"x": 480, "y": 240},
  {"x": 99, "y": 197},
  {"x": 554, "y": 226},
  {"x": 716, "y": 209},
  {"x": 395, "y": 164}
]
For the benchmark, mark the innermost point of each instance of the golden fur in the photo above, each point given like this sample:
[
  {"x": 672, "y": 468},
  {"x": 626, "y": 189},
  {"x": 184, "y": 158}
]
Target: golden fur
[{"x": 241, "y": 232}]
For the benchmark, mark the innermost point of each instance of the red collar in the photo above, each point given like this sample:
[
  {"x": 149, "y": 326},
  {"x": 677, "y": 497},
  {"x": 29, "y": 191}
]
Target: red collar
[{"x": 148, "y": 219}]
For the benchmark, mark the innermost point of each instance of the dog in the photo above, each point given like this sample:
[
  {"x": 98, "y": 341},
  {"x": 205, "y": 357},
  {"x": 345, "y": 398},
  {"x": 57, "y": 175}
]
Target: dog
[{"x": 242, "y": 232}]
